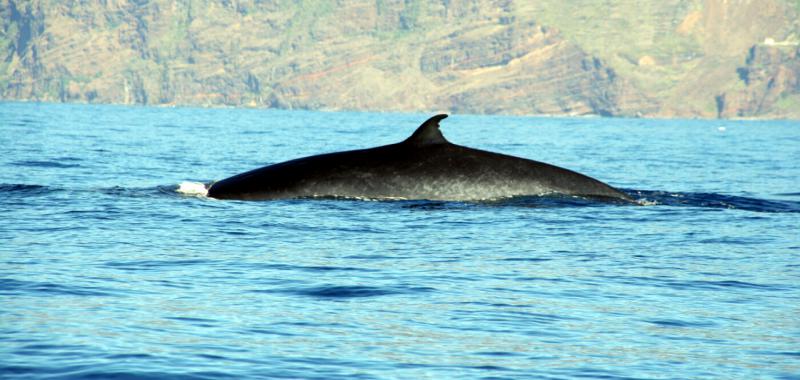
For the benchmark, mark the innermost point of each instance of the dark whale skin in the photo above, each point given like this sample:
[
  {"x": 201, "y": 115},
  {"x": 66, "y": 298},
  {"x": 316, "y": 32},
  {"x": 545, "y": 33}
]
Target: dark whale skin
[{"x": 424, "y": 166}]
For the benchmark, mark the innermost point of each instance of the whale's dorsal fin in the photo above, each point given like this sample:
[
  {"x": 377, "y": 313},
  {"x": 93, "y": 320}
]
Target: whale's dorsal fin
[{"x": 428, "y": 133}]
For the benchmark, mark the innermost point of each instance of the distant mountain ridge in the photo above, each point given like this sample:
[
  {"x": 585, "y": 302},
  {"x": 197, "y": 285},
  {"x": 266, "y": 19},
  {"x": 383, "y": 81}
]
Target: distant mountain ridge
[{"x": 671, "y": 58}]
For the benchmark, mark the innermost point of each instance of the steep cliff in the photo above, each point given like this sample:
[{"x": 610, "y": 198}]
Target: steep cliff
[
  {"x": 666, "y": 58},
  {"x": 770, "y": 81}
]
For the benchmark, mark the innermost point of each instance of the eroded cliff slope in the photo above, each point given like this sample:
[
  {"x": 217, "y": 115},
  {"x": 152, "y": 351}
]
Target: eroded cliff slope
[{"x": 690, "y": 58}]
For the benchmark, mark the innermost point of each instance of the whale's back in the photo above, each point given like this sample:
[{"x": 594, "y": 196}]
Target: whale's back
[
  {"x": 399, "y": 171},
  {"x": 424, "y": 166}
]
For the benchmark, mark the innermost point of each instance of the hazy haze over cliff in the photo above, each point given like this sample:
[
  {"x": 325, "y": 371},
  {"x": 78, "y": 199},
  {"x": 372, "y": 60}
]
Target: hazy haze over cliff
[{"x": 686, "y": 58}]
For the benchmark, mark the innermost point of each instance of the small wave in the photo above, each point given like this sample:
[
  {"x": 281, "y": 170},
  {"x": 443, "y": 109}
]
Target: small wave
[
  {"x": 45, "y": 164},
  {"x": 788, "y": 194},
  {"x": 695, "y": 285},
  {"x": 77, "y": 372},
  {"x": 646, "y": 202},
  {"x": 781, "y": 353},
  {"x": 146, "y": 265},
  {"x": 20, "y": 189},
  {"x": 17, "y": 287},
  {"x": 23, "y": 189},
  {"x": 343, "y": 292},
  {"x": 713, "y": 201},
  {"x": 676, "y": 323},
  {"x": 200, "y": 322},
  {"x": 731, "y": 284},
  {"x": 313, "y": 269},
  {"x": 137, "y": 192},
  {"x": 195, "y": 189}
]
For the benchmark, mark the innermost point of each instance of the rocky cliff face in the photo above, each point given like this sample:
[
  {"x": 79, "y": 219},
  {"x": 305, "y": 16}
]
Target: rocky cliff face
[
  {"x": 471, "y": 56},
  {"x": 770, "y": 84}
]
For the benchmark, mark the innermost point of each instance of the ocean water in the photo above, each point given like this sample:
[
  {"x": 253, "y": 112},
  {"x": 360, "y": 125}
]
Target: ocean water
[{"x": 106, "y": 271}]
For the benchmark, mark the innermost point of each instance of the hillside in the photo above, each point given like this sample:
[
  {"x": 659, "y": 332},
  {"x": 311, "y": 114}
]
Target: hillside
[{"x": 670, "y": 58}]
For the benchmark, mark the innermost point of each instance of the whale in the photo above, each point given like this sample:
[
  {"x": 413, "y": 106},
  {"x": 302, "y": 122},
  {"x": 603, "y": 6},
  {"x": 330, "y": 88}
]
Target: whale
[{"x": 425, "y": 166}]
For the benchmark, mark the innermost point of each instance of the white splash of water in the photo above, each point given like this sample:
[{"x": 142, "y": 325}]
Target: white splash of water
[{"x": 195, "y": 189}]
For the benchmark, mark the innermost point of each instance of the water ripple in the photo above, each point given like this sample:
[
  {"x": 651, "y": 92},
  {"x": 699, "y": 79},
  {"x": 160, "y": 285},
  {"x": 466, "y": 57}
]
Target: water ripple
[
  {"x": 343, "y": 292},
  {"x": 17, "y": 287},
  {"x": 46, "y": 164},
  {"x": 680, "y": 324},
  {"x": 15, "y": 189},
  {"x": 143, "y": 265},
  {"x": 716, "y": 201},
  {"x": 696, "y": 284}
]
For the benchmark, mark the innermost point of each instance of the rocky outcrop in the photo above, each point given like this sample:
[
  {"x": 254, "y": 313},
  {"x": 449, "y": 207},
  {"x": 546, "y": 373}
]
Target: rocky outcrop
[
  {"x": 770, "y": 79},
  {"x": 23, "y": 25},
  {"x": 523, "y": 68},
  {"x": 511, "y": 68}
]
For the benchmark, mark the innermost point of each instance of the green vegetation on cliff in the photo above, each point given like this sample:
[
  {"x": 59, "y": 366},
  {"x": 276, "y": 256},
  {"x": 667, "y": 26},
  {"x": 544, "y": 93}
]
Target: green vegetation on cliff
[{"x": 686, "y": 58}]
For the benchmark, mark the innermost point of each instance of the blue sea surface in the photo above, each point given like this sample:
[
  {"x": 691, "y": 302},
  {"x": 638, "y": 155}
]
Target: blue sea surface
[{"x": 106, "y": 271}]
